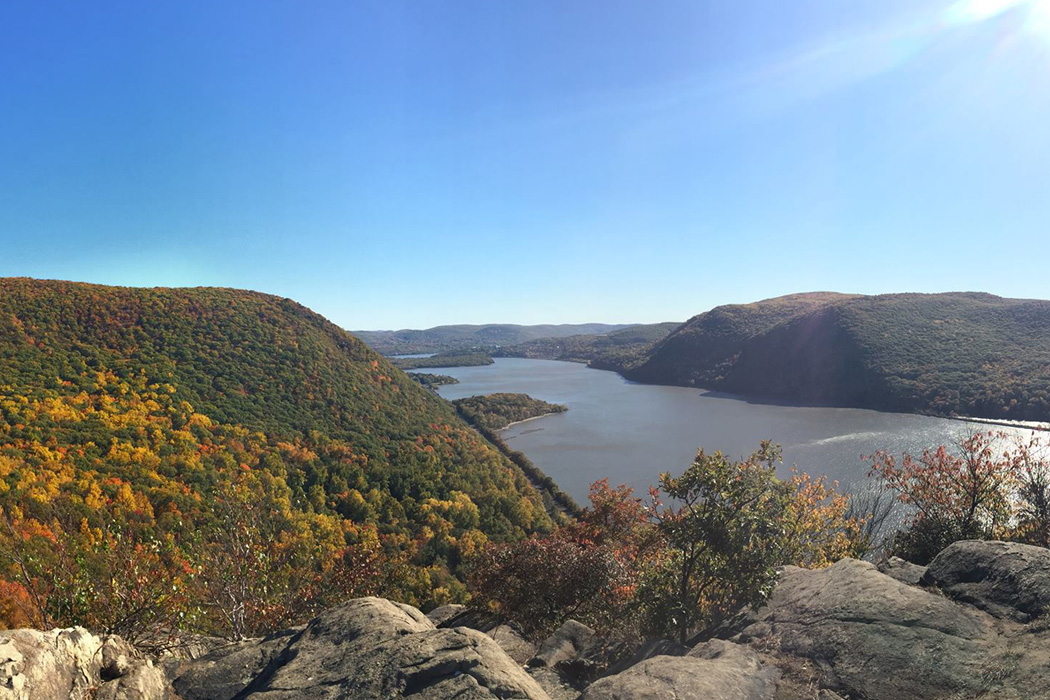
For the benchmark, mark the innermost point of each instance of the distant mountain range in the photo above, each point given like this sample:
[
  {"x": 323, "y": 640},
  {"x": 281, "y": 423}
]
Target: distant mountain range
[
  {"x": 468, "y": 337},
  {"x": 963, "y": 353},
  {"x": 614, "y": 350}
]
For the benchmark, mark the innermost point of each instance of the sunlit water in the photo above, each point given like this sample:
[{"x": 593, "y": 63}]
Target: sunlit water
[{"x": 631, "y": 432}]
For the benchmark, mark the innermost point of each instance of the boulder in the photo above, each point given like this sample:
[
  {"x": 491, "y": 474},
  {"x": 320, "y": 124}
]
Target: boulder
[
  {"x": 716, "y": 670},
  {"x": 141, "y": 681},
  {"x": 571, "y": 639},
  {"x": 903, "y": 571},
  {"x": 553, "y": 683},
  {"x": 61, "y": 664},
  {"x": 649, "y": 649},
  {"x": 225, "y": 672},
  {"x": 1007, "y": 579},
  {"x": 507, "y": 634},
  {"x": 368, "y": 648},
  {"x": 444, "y": 613},
  {"x": 871, "y": 636},
  {"x": 513, "y": 642}
]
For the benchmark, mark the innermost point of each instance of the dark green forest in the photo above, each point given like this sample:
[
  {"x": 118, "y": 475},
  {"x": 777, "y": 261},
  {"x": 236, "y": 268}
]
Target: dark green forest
[
  {"x": 497, "y": 411},
  {"x": 969, "y": 354},
  {"x": 465, "y": 338}
]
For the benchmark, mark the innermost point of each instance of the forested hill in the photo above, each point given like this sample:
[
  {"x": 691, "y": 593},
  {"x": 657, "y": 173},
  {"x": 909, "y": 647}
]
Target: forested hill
[
  {"x": 172, "y": 393},
  {"x": 613, "y": 350},
  {"x": 957, "y": 353},
  {"x": 477, "y": 337}
]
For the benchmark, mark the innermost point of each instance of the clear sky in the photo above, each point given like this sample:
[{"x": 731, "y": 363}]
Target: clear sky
[{"x": 406, "y": 164}]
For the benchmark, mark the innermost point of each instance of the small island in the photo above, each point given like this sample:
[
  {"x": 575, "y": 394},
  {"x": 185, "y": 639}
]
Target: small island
[
  {"x": 451, "y": 359},
  {"x": 433, "y": 381},
  {"x": 497, "y": 411}
]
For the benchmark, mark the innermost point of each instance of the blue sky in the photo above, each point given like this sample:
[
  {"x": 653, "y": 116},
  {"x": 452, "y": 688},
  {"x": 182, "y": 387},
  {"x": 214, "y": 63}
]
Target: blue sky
[{"x": 407, "y": 164}]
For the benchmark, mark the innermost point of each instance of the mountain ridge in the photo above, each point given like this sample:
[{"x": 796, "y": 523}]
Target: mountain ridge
[{"x": 964, "y": 353}]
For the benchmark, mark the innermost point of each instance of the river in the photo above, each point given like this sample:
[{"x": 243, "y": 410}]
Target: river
[{"x": 630, "y": 432}]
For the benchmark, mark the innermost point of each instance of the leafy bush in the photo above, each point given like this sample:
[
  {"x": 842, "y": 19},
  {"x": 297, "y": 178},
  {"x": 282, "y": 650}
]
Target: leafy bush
[
  {"x": 962, "y": 491},
  {"x": 674, "y": 569}
]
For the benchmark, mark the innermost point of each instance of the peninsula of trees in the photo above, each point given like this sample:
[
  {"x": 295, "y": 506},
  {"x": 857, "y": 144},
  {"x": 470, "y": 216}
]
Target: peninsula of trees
[{"x": 497, "y": 411}]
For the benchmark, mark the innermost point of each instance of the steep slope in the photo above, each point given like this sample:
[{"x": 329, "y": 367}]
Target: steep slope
[
  {"x": 476, "y": 337},
  {"x": 963, "y": 353},
  {"x": 156, "y": 400}
]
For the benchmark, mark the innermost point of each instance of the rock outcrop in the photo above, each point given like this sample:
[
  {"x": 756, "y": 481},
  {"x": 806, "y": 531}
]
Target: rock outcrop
[
  {"x": 858, "y": 632},
  {"x": 1006, "y": 579},
  {"x": 971, "y": 625},
  {"x": 73, "y": 664},
  {"x": 368, "y": 648},
  {"x": 716, "y": 670}
]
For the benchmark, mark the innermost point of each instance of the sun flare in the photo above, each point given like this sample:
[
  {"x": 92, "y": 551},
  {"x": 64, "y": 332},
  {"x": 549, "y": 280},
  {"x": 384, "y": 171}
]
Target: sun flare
[{"x": 1036, "y": 13}]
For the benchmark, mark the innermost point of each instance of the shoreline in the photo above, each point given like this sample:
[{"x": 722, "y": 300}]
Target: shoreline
[{"x": 508, "y": 426}]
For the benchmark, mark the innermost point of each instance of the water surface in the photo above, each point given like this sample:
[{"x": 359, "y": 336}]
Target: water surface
[{"x": 631, "y": 432}]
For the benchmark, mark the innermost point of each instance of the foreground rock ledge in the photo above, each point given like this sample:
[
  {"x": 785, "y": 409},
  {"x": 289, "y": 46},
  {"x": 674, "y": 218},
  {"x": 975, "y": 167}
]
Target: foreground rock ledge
[{"x": 971, "y": 625}]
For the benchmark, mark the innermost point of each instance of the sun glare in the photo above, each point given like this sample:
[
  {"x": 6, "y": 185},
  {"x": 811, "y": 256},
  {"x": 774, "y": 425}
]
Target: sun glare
[
  {"x": 1039, "y": 19},
  {"x": 1036, "y": 13},
  {"x": 968, "y": 11}
]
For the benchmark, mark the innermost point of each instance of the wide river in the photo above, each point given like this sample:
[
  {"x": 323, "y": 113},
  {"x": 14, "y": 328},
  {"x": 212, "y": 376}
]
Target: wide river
[{"x": 631, "y": 432}]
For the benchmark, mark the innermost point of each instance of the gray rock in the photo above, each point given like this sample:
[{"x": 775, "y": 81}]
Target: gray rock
[
  {"x": 508, "y": 635},
  {"x": 368, "y": 648},
  {"x": 513, "y": 642},
  {"x": 444, "y": 613},
  {"x": 903, "y": 571},
  {"x": 571, "y": 640},
  {"x": 716, "y": 670},
  {"x": 1007, "y": 579},
  {"x": 61, "y": 664},
  {"x": 872, "y": 636},
  {"x": 552, "y": 683},
  {"x": 227, "y": 671},
  {"x": 647, "y": 650},
  {"x": 141, "y": 681}
]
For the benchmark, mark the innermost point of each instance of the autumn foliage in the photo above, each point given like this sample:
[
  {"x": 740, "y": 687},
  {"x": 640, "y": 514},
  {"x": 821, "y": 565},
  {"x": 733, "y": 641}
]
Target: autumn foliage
[
  {"x": 227, "y": 462},
  {"x": 983, "y": 486},
  {"x": 648, "y": 568}
]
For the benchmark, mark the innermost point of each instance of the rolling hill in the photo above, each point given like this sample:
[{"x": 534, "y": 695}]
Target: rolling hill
[
  {"x": 969, "y": 354},
  {"x": 145, "y": 409},
  {"x": 611, "y": 350},
  {"x": 468, "y": 337}
]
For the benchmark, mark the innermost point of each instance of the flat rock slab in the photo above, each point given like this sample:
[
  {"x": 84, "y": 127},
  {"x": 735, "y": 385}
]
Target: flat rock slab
[
  {"x": 875, "y": 637},
  {"x": 717, "y": 670}
]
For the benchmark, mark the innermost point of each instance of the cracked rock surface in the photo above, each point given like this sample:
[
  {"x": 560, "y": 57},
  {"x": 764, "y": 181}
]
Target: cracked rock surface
[
  {"x": 866, "y": 635},
  {"x": 368, "y": 648},
  {"x": 717, "y": 670}
]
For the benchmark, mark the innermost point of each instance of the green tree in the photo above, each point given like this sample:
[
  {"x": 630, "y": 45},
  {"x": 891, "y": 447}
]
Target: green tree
[{"x": 725, "y": 533}]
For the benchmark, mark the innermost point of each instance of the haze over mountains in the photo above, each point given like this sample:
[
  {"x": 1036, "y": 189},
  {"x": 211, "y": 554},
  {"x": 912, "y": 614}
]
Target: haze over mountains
[
  {"x": 964, "y": 353},
  {"x": 465, "y": 337}
]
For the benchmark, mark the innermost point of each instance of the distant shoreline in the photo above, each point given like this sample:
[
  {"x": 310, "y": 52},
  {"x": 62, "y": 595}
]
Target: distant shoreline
[
  {"x": 1022, "y": 424},
  {"x": 526, "y": 420}
]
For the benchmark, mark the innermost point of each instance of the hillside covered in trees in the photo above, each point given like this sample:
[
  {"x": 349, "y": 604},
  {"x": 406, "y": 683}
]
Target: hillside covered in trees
[
  {"x": 497, "y": 411},
  {"x": 175, "y": 445},
  {"x": 459, "y": 338},
  {"x": 958, "y": 353}
]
